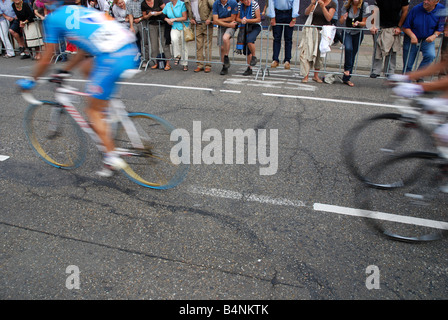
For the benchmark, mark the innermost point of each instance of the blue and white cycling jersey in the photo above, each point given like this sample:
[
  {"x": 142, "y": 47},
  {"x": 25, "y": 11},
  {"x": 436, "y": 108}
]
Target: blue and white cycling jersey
[{"x": 91, "y": 30}]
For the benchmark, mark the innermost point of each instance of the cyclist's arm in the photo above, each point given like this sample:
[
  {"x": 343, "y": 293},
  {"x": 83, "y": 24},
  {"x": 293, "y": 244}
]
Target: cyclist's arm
[
  {"x": 430, "y": 70},
  {"x": 439, "y": 85}
]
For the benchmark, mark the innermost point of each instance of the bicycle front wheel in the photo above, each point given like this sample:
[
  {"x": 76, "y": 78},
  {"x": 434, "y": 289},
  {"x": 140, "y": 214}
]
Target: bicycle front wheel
[
  {"x": 54, "y": 135},
  {"x": 150, "y": 166},
  {"x": 378, "y": 138},
  {"x": 412, "y": 212}
]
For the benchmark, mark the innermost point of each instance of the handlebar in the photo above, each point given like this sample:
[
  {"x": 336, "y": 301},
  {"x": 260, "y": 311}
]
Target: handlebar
[{"x": 61, "y": 88}]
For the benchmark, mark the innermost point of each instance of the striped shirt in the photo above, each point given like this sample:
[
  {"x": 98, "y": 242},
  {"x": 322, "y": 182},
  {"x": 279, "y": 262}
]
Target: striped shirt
[{"x": 254, "y": 5}]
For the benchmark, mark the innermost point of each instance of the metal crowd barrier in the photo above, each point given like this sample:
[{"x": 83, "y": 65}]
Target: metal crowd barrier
[{"x": 333, "y": 62}]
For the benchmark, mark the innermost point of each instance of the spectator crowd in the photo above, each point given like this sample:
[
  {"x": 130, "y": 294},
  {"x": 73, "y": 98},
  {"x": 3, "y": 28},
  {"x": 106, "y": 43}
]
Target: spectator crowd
[{"x": 159, "y": 27}]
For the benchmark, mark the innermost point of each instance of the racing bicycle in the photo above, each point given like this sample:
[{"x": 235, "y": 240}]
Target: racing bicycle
[
  {"x": 412, "y": 209},
  {"x": 57, "y": 132},
  {"x": 387, "y": 135}
]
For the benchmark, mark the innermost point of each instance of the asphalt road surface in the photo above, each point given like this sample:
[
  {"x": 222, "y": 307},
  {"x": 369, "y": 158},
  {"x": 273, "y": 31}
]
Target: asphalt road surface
[{"x": 227, "y": 232}]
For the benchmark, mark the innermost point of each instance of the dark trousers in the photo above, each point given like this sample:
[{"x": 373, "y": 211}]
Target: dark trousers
[
  {"x": 351, "y": 44},
  {"x": 282, "y": 17}
]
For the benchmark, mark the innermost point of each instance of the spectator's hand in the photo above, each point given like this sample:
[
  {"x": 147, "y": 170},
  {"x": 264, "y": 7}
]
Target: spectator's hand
[
  {"x": 397, "y": 30},
  {"x": 273, "y": 22},
  {"x": 373, "y": 30},
  {"x": 207, "y": 22},
  {"x": 192, "y": 21},
  {"x": 431, "y": 38},
  {"x": 26, "y": 84},
  {"x": 414, "y": 40},
  {"x": 408, "y": 90}
]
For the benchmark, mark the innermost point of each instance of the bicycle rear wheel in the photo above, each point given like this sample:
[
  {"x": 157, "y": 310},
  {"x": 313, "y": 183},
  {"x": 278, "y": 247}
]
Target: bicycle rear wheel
[
  {"x": 378, "y": 138},
  {"x": 54, "y": 135},
  {"x": 412, "y": 212},
  {"x": 151, "y": 166}
]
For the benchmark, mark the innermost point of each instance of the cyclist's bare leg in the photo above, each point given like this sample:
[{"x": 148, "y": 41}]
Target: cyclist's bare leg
[{"x": 95, "y": 112}]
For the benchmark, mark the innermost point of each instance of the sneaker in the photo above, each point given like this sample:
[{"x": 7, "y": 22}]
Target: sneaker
[
  {"x": 226, "y": 62},
  {"x": 7, "y": 56},
  {"x": 248, "y": 72},
  {"x": 114, "y": 161},
  {"x": 105, "y": 172},
  {"x": 22, "y": 51},
  {"x": 25, "y": 56},
  {"x": 253, "y": 61},
  {"x": 274, "y": 64},
  {"x": 111, "y": 163},
  {"x": 224, "y": 71},
  {"x": 374, "y": 75}
]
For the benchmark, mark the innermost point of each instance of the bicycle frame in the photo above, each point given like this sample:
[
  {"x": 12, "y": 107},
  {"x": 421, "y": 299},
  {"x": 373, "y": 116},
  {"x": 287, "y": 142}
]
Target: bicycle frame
[{"x": 116, "y": 113}]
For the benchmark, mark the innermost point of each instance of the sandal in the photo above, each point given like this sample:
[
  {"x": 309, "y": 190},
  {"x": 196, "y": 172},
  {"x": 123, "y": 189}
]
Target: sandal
[
  {"x": 167, "y": 67},
  {"x": 317, "y": 80},
  {"x": 185, "y": 68},
  {"x": 176, "y": 61},
  {"x": 349, "y": 83}
]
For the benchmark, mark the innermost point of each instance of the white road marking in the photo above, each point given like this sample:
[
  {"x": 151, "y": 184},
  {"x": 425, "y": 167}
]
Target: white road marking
[
  {"x": 331, "y": 100},
  {"x": 381, "y": 216},
  {"x": 228, "y": 194},
  {"x": 3, "y": 158},
  {"x": 234, "y": 195},
  {"x": 303, "y": 87},
  {"x": 230, "y": 91}
]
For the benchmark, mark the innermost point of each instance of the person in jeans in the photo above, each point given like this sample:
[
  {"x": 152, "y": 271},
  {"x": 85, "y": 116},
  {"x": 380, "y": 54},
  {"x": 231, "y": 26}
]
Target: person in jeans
[
  {"x": 354, "y": 15},
  {"x": 421, "y": 28},
  {"x": 282, "y": 12},
  {"x": 7, "y": 15}
]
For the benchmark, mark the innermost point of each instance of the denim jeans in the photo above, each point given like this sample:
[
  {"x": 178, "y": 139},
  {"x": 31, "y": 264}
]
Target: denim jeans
[
  {"x": 282, "y": 17},
  {"x": 410, "y": 52},
  {"x": 351, "y": 44}
]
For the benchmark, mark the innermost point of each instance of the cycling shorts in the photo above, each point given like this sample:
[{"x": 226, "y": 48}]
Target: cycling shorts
[{"x": 107, "y": 69}]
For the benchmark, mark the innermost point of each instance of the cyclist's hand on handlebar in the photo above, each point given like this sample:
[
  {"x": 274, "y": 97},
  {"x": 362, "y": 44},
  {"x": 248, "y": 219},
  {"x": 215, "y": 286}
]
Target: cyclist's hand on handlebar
[
  {"x": 60, "y": 75},
  {"x": 395, "y": 79},
  {"x": 26, "y": 84},
  {"x": 408, "y": 90}
]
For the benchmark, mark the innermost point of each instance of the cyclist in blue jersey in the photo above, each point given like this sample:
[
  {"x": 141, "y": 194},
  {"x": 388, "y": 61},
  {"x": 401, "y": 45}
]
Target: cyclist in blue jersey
[{"x": 113, "y": 49}]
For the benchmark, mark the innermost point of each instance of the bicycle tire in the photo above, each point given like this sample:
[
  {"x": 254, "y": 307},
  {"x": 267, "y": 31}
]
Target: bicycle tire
[
  {"x": 54, "y": 135},
  {"x": 415, "y": 211},
  {"x": 151, "y": 167},
  {"x": 378, "y": 138}
]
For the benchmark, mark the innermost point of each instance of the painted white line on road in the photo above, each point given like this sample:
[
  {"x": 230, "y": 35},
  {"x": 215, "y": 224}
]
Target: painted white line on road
[
  {"x": 381, "y": 216},
  {"x": 234, "y": 195},
  {"x": 265, "y": 94},
  {"x": 128, "y": 83},
  {"x": 3, "y": 158},
  {"x": 227, "y": 194},
  {"x": 331, "y": 100},
  {"x": 230, "y": 91}
]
